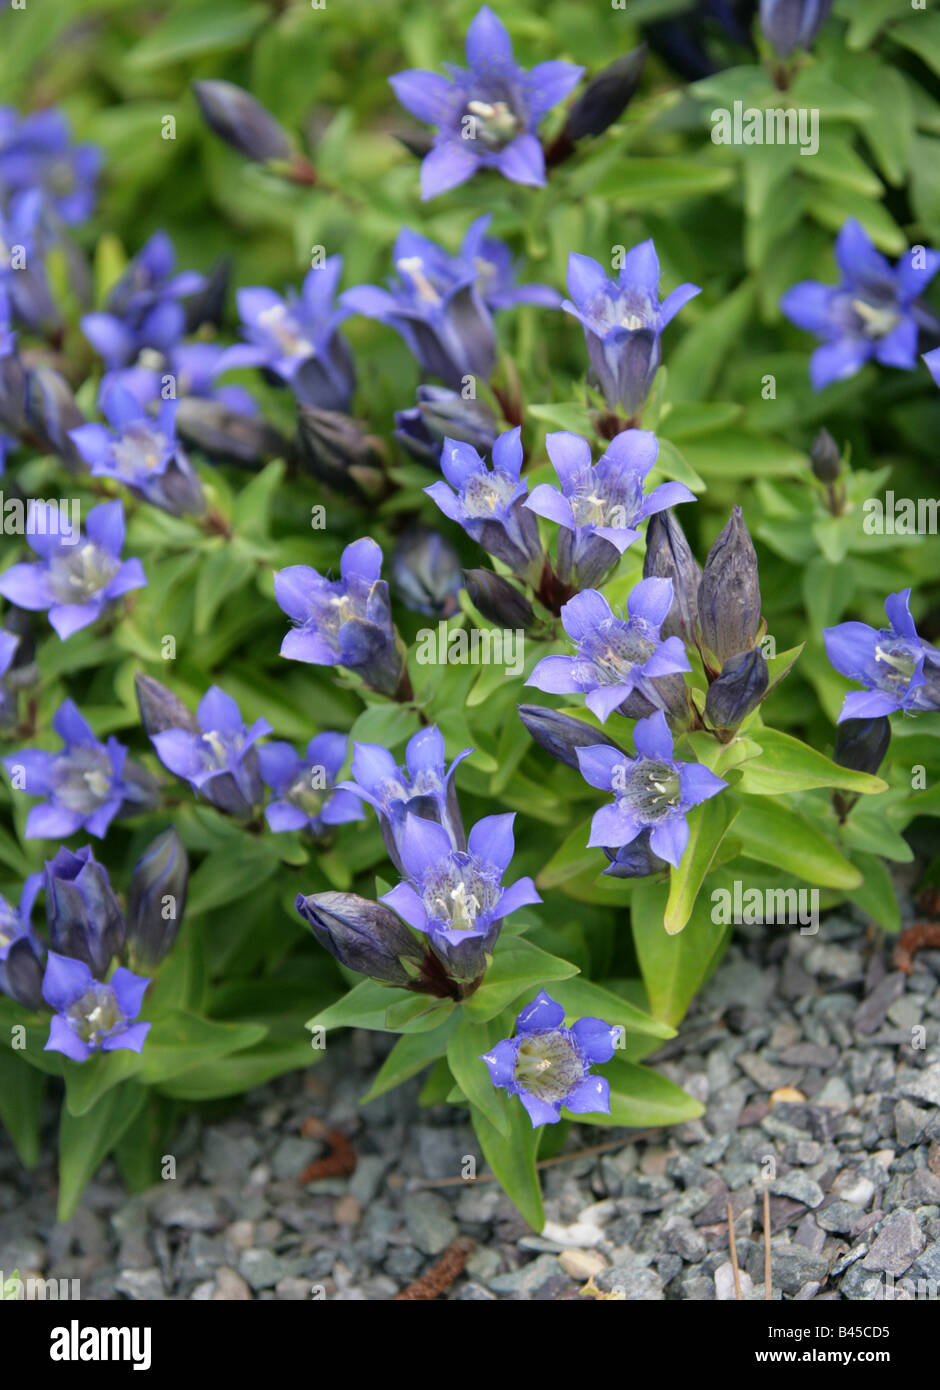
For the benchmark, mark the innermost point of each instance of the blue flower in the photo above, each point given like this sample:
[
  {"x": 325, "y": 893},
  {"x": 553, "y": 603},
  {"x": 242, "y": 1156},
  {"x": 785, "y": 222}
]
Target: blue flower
[
  {"x": 142, "y": 452},
  {"x": 91, "y": 1016},
  {"x": 614, "y": 657},
  {"x": 22, "y": 276},
  {"x": 600, "y": 506},
  {"x": 305, "y": 792},
  {"x": 36, "y": 152},
  {"x": 486, "y": 114},
  {"x": 74, "y": 581},
  {"x": 440, "y": 414},
  {"x": 219, "y": 758},
  {"x": 442, "y": 305},
  {"x": 457, "y": 896},
  {"x": 872, "y": 313},
  {"x": 791, "y": 24},
  {"x": 651, "y": 791},
  {"x": 423, "y": 787},
  {"x": 622, "y": 321},
  {"x": 345, "y": 621},
  {"x": 297, "y": 339},
  {"x": 20, "y": 950},
  {"x": 82, "y": 785},
  {"x": 489, "y": 502},
  {"x": 933, "y": 364},
  {"x": 897, "y": 667},
  {"x": 549, "y": 1066},
  {"x": 143, "y": 309}
]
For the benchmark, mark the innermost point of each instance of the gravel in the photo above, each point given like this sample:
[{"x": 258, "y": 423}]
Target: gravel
[{"x": 818, "y": 1085}]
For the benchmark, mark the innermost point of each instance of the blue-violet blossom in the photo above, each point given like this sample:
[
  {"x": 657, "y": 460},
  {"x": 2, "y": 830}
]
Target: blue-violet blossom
[
  {"x": 305, "y": 793},
  {"x": 897, "y": 667},
  {"x": 489, "y": 502},
  {"x": 91, "y": 1016}
]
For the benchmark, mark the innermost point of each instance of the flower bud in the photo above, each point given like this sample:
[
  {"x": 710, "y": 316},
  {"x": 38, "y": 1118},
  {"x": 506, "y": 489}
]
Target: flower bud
[
  {"x": 364, "y": 936},
  {"x": 561, "y": 735},
  {"x": 635, "y": 860},
  {"x": 82, "y": 914},
  {"x": 669, "y": 556},
  {"x": 861, "y": 744},
  {"x": 825, "y": 457},
  {"x": 141, "y": 790},
  {"x": 160, "y": 709},
  {"x": 738, "y": 690},
  {"x": 606, "y": 96},
  {"x": 157, "y": 899},
  {"x": 444, "y": 414},
  {"x": 51, "y": 411},
  {"x": 729, "y": 603},
  {"x": 228, "y": 435},
  {"x": 790, "y": 24},
  {"x": 241, "y": 121},
  {"x": 21, "y": 974},
  {"x": 207, "y": 306},
  {"x": 498, "y": 600},
  {"x": 337, "y": 450},
  {"x": 425, "y": 572}
]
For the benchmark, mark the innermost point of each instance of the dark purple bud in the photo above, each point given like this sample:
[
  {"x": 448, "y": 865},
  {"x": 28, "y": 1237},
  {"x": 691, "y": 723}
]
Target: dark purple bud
[
  {"x": 141, "y": 790},
  {"x": 364, "y": 936},
  {"x": 241, "y": 121},
  {"x": 425, "y": 572},
  {"x": 825, "y": 457},
  {"x": 208, "y": 306},
  {"x": 606, "y": 96},
  {"x": 498, "y": 600},
  {"x": 729, "y": 603},
  {"x": 157, "y": 899},
  {"x": 228, "y": 435},
  {"x": 338, "y": 450},
  {"x": 441, "y": 414},
  {"x": 791, "y": 24},
  {"x": 83, "y": 916},
  {"x": 738, "y": 690},
  {"x": 51, "y": 412},
  {"x": 160, "y": 709},
  {"x": 861, "y": 744},
  {"x": 21, "y": 974},
  {"x": 561, "y": 735},
  {"x": 668, "y": 556},
  {"x": 12, "y": 393},
  {"x": 668, "y": 693},
  {"x": 635, "y": 860}
]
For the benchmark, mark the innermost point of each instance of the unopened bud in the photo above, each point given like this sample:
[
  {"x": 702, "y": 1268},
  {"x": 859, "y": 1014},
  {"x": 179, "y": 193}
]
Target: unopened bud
[
  {"x": 157, "y": 899},
  {"x": 729, "y": 602},
  {"x": 738, "y": 690},
  {"x": 241, "y": 121},
  {"x": 363, "y": 935},
  {"x": 669, "y": 556},
  {"x": 561, "y": 735},
  {"x": 606, "y": 96},
  {"x": 861, "y": 744},
  {"x": 825, "y": 457},
  {"x": 498, "y": 600}
]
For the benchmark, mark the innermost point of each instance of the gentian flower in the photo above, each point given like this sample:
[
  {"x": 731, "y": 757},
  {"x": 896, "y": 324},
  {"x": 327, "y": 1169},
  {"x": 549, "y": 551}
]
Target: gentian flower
[
  {"x": 615, "y": 657},
  {"x": 933, "y": 364},
  {"x": 297, "y": 339},
  {"x": 651, "y": 791},
  {"x": 345, "y": 621},
  {"x": 669, "y": 556},
  {"x": 488, "y": 502},
  {"x": 897, "y": 667},
  {"x": 457, "y": 896},
  {"x": 872, "y": 313},
  {"x": 142, "y": 452},
  {"x": 143, "y": 309},
  {"x": 20, "y": 951},
  {"x": 622, "y": 321},
  {"x": 600, "y": 506},
  {"x": 157, "y": 899},
  {"x": 790, "y": 24},
  {"x": 241, "y": 121},
  {"x": 36, "y": 152},
  {"x": 440, "y": 414},
  {"x": 442, "y": 305},
  {"x": 22, "y": 277},
  {"x": 219, "y": 760},
  {"x": 91, "y": 1016},
  {"x": 367, "y": 937},
  {"x": 82, "y": 785},
  {"x": 75, "y": 582},
  {"x": 305, "y": 793},
  {"x": 83, "y": 917},
  {"x": 729, "y": 598},
  {"x": 486, "y": 114},
  {"x": 549, "y": 1066},
  {"x": 423, "y": 787}
]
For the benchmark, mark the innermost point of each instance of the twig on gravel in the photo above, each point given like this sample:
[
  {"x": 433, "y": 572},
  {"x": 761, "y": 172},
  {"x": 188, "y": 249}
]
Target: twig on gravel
[
  {"x": 542, "y": 1162},
  {"x": 341, "y": 1159},
  {"x": 734, "y": 1254},
  {"x": 768, "y": 1276},
  {"x": 441, "y": 1275}
]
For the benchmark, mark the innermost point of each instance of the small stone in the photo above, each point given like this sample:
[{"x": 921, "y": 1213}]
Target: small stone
[
  {"x": 144, "y": 1284},
  {"x": 190, "y": 1211},
  {"x": 799, "y": 1187},
  {"x": 923, "y": 1188},
  {"x": 909, "y": 1123},
  {"x": 225, "y": 1157},
  {"x": 260, "y": 1268},
  {"x": 834, "y": 961},
  {"x": 633, "y": 1282},
  {"x": 583, "y": 1234},
  {"x": 839, "y": 1216},
  {"x": 897, "y": 1244},
  {"x": 582, "y": 1264},
  {"x": 230, "y": 1286},
  {"x": 347, "y": 1211},
  {"x": 924, "y": 1085},
  {"x": 367, "y": 1179},
  {"x": 793, "y": 1266},
  {"x": 293, "y": 1155},
  {"x": 834, "y": 1094},
  {"x": 725, "y": 1290},
  {"x": 473, "y": 1293},
  {"x": 767, "y": 1075},
  {"x": 784, "y": 1094},
  {"x": 429, "y": 1222},
  {"x": 292, "y": 1289},
  {"x": 680, "y": 1236},
  {"x": 241, "y": 1235},
  {"x": 524, "y": 1282}
]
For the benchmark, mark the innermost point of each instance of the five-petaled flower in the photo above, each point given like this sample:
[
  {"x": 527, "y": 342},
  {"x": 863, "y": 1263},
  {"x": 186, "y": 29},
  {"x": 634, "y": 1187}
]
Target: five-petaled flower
[
  {"x": 623, "y": 321},
  {"x": 143, "y": 310},
  {"x": 549, "y": 1066},
  {"x": 36, "y": 153},
  {"x": 615, "y": 656},
  {"x": 872, "y": 313},
  {"x": 487, "y": 113},
  {"x": 91, "y": 1016},
  {"x": 897, "y": 667},
  {"x": 651, "y": 792},
  {"x": 76, "y": 576},
  {"x": 219, "y": 759},
  {"x": 489, "y": 502},
  {"x": 82, "y": 785},
  {"x": 600, "y": 506},
  {"x": 305, "y": 793}
]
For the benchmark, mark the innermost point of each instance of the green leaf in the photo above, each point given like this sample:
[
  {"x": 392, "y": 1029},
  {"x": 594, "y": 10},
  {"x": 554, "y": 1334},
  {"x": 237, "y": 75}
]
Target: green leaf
[
  {"x": 787, "y": 765},
  {"x": 411, "y": 1054},
  {"x": 465, "y": 1049},
  {"x": 512, "y": 1160},
  {"x": 570, "y": 859},
  {"x": 188, "y": 31},
  {"x": 673, "y": 967},
  {"x": 417, "y": 1013},
  {"x": 827, "y": 591},
  {"x": 638, "y": 181},
  {"x": 183, "y": 1040},
  {"x": 708, "y": 825},
  {"x": 365, "y": 1006},
  {"x": 741, "y": 454},
  {"x": 695, "y": 364},
  {"x": 581, "y": 999},
  {"x": 774, "y": 834},
  {"x": 86, "y": 1141},
  {"x": 640, "y": 1098},
  {"x": 227, "y": 876},
  {"x": 21, "y": 1092},
  {"x": 517, "y": 966},
  {"x": 876, "y": 896}
]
